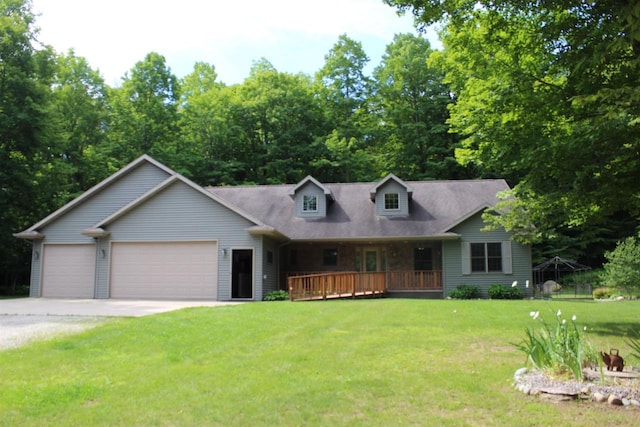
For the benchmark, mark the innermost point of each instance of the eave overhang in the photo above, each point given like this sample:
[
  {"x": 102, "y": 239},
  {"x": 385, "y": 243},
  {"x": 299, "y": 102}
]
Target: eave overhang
[
  {"x": 265, "y": 230},
  {"x": 96, "y": 232},
  {"x": 374, "y": 239},
  {"x": 29, "y": 235}
]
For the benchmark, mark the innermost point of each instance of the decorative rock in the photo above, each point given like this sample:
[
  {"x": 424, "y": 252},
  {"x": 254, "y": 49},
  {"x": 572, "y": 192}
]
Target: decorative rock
[
  {"x": 520, "y": 372},
  {"x": 599, "y": 397},
  {"x": 558, "y": 391},
  {"x": 618, "y": 391},
  {"x": 614, "y": 400},
  {"x": 557, "y": 394},
  {"x": 526, "y": 389}
]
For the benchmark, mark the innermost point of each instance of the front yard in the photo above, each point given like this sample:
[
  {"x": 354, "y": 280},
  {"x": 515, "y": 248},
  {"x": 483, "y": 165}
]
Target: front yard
[{"x": 364, "y": 362}]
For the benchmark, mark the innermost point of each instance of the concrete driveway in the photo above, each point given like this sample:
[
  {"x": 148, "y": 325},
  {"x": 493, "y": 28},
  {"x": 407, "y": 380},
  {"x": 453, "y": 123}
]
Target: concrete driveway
[
  {"x": 96, "y": 307},
  {"x": 23, "y": 320}
]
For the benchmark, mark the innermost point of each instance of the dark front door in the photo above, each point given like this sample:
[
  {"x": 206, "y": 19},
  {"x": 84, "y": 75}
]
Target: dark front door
[
  {"x": 242, "y": 274},
  {"x": 422, "y": 259}
]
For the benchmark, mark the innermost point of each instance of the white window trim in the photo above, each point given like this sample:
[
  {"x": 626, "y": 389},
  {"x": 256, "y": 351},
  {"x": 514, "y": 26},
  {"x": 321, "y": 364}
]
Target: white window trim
[
  {"x": 305, "y": 198},
  {"x": 384, "y": 201}
]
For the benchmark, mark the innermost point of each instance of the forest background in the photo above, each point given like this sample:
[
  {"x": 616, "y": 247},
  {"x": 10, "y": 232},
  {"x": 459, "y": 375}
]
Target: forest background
[{"x": 543, "y": 94}]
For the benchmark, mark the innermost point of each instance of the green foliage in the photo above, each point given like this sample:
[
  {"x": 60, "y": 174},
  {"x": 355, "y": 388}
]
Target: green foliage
[
  {"x": 547, "y": 96},
  {"x": 559, "y": 348},
  {"x": 622, "y": 269},
  {"x": 602, "y": 293},
  {"x": 634, "y": 344},
  {"x": 144, "y": 113},
  {"x": 498, "y": 291},
  {"x": 412, "y": 100},
  {"x": 279, "y": 295},
  {"x": 466, "y": 292},
  {"x": 26, "y": 193}
]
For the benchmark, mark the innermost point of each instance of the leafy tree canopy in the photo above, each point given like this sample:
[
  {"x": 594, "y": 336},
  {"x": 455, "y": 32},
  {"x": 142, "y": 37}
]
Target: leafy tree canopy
[{"x": 548, "y": 96}]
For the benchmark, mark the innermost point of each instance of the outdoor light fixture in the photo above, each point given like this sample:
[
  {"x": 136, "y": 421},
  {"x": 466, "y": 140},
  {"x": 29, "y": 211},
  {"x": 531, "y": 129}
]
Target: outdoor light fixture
[{"x": 225, "y": 251}]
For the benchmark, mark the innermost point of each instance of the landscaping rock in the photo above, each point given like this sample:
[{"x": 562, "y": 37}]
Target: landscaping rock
[
  {"x": 618, "y": 391},
  {"x": 599, "y": 397},
  {"x": 614, "y": 400},
  {"x": 520, "y": 372},
  {"x": 556, "y": 397}
]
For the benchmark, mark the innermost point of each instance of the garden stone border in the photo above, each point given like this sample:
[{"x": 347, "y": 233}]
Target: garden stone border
[{"x": 535, "y": 383}]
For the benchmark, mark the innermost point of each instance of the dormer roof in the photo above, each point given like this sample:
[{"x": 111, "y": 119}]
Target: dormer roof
[
  {"x": 385, "y": 180},
  {"x": 305, "y": 181}
]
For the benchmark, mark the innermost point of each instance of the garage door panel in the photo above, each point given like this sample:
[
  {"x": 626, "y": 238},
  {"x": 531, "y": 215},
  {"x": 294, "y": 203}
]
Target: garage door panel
[
  {"x": 164, "y": 270},
  {"x": 68, "y": 271}
]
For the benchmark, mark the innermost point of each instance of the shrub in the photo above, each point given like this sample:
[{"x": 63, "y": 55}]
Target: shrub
[
  {"x": 622, "y": 269},
  {"x": 465, "y": 292},
  {"x": 561, "y": 349},
  {"x": 499, "y": 291},
  {"x": 602, "y": 293},
  {"x": 280, "y": 295}
]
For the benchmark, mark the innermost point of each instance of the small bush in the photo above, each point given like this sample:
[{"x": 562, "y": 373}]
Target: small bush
[
  {"x": 280, "y": 295},
  {"x": 465, "y": 292},
  {"x": 602, "y": 293},
  {"x": 499, "y": 291}
]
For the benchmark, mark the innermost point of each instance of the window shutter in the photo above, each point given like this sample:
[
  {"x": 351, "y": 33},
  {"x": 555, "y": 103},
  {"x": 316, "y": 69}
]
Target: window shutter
[
  {"x": 466, "y": 258},
  {"x": 506, "y": 258}
]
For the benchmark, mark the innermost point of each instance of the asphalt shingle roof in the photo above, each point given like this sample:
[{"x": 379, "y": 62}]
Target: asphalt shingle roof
[{"x": 435, "y": 207}]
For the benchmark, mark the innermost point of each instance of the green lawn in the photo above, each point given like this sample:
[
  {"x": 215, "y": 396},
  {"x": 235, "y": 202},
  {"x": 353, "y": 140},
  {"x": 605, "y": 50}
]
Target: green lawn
[{"x": 365, "y": 362}]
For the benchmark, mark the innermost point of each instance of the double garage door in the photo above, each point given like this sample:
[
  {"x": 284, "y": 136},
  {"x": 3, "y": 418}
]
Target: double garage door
[
  {"x": 143, "y": 270},
  {"x": 164, "y": 270}
]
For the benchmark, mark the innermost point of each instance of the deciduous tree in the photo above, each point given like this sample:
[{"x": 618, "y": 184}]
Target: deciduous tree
[
  {"x": 548, "y": 96},
  {"x": 411, "y": 101}
]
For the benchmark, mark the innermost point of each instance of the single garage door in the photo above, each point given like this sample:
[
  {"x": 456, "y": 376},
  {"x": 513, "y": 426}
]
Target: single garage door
[
  {"x": 164, "y": 270},
  {"x": 68, "y": 271}
]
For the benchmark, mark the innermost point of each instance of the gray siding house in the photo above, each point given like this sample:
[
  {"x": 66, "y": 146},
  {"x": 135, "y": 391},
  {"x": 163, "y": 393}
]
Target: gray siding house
[{"x": 147, "y": 232}]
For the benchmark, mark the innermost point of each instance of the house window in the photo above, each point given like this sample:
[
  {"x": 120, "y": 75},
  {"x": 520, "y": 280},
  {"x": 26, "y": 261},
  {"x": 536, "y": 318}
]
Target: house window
[
  {"x": 309, "y": 203},
  {"x": 330, "y": 257},
  {"x": 391, "y": 201},
  {"x": 293, "y": 257},
  {"x": 486, "y": 257},
  {"x": 269, "y": 257}
]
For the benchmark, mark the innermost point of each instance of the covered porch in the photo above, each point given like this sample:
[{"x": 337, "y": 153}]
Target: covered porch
[{"x": 352, "y": 269}]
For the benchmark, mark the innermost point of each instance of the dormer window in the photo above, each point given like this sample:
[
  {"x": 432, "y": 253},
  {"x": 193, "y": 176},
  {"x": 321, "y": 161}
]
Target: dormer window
[
  {"x": 309, "y": 203},
  {"x": 391, "y": 196},
  {"x": 391, "y": 202},
  {"x": 311, "y": 198}
]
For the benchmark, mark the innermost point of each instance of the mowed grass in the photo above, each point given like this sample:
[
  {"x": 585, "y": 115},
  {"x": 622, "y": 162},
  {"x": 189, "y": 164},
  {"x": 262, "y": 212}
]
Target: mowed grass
[{"x": 364, "y": 362}]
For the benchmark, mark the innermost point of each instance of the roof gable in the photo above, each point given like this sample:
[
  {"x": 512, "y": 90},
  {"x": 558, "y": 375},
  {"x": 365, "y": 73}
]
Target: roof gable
[
  {"x": 309, "y": 179},
  {"x": 161, "y": 187},
  {"x": 120, "y": 174},
  {"x": 384, "y": 181}
]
